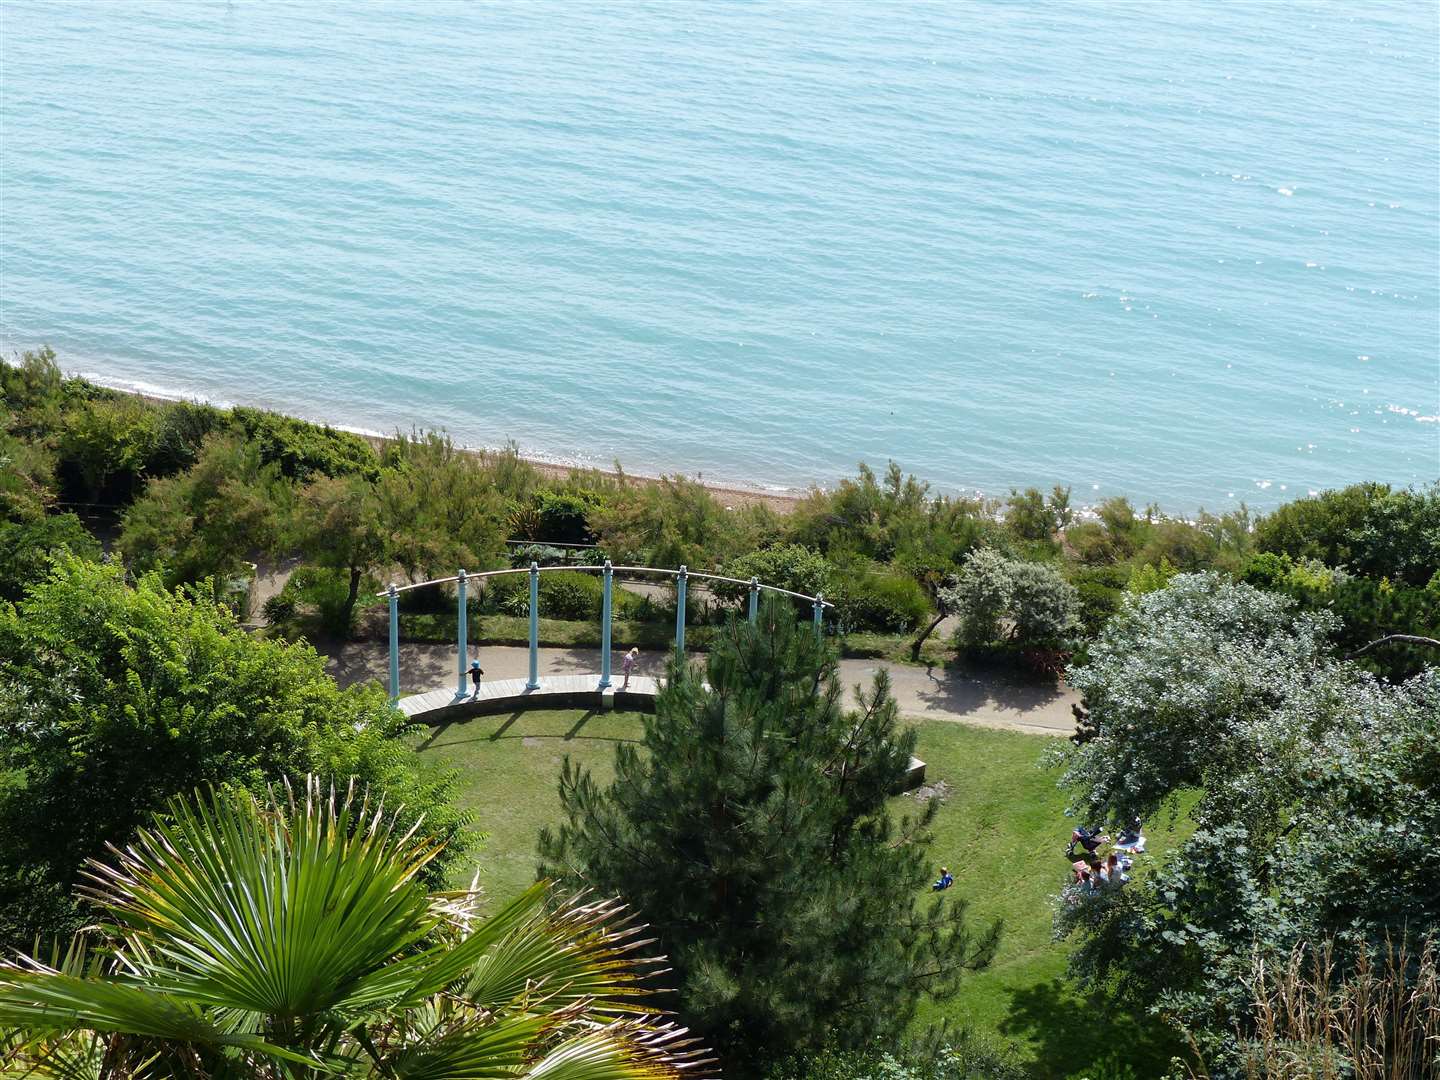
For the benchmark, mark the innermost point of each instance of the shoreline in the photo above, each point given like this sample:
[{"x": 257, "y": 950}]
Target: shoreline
[{"x": 731, "y": 496}]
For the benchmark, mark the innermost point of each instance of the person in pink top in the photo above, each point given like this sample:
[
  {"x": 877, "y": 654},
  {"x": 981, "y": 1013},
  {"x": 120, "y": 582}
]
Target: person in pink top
[{"x": 627, "y": 666}]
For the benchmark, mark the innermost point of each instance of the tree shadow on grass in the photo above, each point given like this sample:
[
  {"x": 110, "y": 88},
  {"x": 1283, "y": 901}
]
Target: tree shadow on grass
[
  {"x": 584, "y": 719},
  {"x": 1075, "y": 1034}
]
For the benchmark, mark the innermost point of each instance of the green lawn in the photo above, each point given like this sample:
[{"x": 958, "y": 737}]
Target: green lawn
[{"x": 1001, "y": 831}]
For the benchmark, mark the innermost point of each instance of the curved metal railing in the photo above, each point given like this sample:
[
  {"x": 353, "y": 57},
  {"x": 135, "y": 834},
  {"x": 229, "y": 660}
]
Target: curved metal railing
[{"x": 682, "y": 575}]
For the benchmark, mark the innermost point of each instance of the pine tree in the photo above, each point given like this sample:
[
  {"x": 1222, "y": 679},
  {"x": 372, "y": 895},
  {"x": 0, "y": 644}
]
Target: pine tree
[{"x": 755, "y": 834}]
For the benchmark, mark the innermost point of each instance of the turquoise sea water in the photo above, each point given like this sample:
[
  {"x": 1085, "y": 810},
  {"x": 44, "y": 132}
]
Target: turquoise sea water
[{"x": 1186, "y": 252}]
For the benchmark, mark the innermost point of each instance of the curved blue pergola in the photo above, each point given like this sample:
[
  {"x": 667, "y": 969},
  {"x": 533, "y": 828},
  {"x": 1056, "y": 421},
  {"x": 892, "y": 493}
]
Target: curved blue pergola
[{"x": 607, "y": 571}]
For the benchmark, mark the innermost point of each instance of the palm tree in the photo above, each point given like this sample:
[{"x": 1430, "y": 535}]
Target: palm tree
[{"x": 289, "y": 939}]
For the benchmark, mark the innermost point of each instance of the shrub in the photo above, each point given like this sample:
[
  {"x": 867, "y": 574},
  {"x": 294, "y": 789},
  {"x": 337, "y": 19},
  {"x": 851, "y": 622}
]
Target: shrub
[
  {"x": 563, "y": 595},
  {"x": 786, "y": 566},
  {"x": 871, "y": 597},
  {"x": 28, "y": 548},
  {"x": 1368, "y": 528},
  {"x": 279, "y": 609},
  {"x": 103, "y": 447},
  {"x": 302, "y": 449},
  {"x": 326, "y": 590},
  {"x": 1015, "y": 603},
  {"x": 570, "y": 595},
  {"x": 1147, "y": 577},
  {"x": 114, "y": 699},
  {"x": 180, "y": 432},
  {"x": 1100, "y": 590},
  {"x": 564, "y": 516},
  {"x": 1032, "y": 516}
]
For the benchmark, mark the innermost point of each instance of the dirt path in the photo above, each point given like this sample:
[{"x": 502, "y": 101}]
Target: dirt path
[{"x": 928, "y": 693}]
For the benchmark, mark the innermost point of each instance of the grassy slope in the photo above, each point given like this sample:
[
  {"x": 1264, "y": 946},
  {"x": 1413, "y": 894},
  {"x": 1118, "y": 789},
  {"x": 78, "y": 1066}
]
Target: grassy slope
[{"x": 1001, "y": 832}]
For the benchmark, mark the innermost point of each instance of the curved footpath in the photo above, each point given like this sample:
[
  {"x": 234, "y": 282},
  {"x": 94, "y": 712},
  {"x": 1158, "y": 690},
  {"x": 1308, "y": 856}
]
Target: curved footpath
[{"x": 923, "y": 693}]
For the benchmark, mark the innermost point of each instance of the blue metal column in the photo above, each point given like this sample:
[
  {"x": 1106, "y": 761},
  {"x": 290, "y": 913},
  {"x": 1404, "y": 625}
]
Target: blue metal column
[
  {"x": 754, "y": 598},
  {"x": 819, "y": 614},
  {"x": 607, "y": 575},
  {"x": 534, "y": 683},
  {"x": 680, "y": 610},
  {"x": 394, "y": 644},
  {"x": 463, "y": 633}
]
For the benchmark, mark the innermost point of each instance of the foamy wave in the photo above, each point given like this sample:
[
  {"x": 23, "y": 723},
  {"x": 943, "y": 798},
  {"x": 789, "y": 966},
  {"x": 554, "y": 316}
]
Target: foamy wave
[{"x": 154, "y": 390}]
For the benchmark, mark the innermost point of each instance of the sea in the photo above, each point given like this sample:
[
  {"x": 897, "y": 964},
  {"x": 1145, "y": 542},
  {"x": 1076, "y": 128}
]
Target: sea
[{"x": 1184, "y": 252}]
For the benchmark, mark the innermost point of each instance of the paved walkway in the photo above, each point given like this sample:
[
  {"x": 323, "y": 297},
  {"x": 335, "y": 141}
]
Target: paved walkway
[{"x": 928, "y": 693}]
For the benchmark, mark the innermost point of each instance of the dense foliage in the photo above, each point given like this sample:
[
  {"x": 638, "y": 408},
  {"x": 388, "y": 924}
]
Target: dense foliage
[
  {"x": 1314, "y": 790},
  {"x": 114, "y": 699},
  {"x": 335, "y": 963},
  {"x": 1369, "y": 529},
  {"x": 754, "y": 833}
]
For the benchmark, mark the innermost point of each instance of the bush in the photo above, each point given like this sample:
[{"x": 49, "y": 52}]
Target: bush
[
  {"x": 28, "y": 548},
  {"x": 570, "y": 595},
  {"x": 115, "y": 699},
  {"x": 563, "y": 595},
  {"x": 179, "y": 434},
  {"x": 1010, "y": 602},
  {"x": 564, "y": 516},
  {"x": 1100, "y": 589},
  {"x": 1368, "y": 528},
  {"x": 302, "y": 449},
  {"x": 965, "y": 1056},
  {"x": 325, "y": 590},
  {"x": 871, "y": 597},
  {"x": 1368, "y": 610},
  {"x": 786, "y": 566},
  {"x": 279, "y": 609},
  {"x": 103, "y": 447}
]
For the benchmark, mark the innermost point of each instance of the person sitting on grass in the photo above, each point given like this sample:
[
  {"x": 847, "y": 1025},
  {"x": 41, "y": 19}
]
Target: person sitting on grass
[
  {"x": 1130, "y": 839},
  {"x": 1113, "y": 872},
  {"x": 944, "y": 882}
]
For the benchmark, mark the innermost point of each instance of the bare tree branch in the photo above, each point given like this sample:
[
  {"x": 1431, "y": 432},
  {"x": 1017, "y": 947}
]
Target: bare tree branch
[{"x": 1409, "y": 639}]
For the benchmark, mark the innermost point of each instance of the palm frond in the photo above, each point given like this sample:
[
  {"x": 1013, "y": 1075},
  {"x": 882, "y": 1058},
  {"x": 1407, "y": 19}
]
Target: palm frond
[
  {"x": 44, "y": 1002},
  {"x": 575, "y": 952},
  {"x": 625, "y": 1050},
  {"x": 266, "y": 911}
]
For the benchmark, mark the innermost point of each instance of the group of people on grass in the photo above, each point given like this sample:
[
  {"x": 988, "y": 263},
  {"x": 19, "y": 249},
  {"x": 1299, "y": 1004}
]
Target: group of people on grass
[{"x": 1090, "y": 871}]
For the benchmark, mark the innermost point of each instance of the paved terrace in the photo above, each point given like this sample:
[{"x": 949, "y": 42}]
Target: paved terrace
[{"x": 933, "y": 693}]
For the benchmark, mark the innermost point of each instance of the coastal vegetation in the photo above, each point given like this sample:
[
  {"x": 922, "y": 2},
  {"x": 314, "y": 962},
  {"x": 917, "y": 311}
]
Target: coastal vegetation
[{"x": 1262, "y": 691}]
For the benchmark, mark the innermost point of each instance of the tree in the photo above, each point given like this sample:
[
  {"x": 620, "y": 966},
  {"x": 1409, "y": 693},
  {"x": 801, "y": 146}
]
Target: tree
[
  {"x": 1228, "y": 700},
  {"x": 755, "y": 832},
  {"x": 1011, "y": 601},
  {"x": 114, "y": 699},
  {"x": 1032, "y": 516},
  {"x": 337, "y": 962},
  {"x": 672, "y": 521},
  {"x": 27, "y": 548},
  {"x": 442, "y": 506},
  {"x": 208, "y": 521},
  {"x": 103, "y": 446},
  {"x": 338, "y": 525},
  {"x": 1369, "y": 528},
  {"x": 27, "y": 476}
]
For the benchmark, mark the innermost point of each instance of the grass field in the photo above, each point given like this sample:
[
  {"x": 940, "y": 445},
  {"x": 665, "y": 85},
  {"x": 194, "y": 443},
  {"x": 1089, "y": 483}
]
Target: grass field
[{"x": 1001, "y": 831}]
